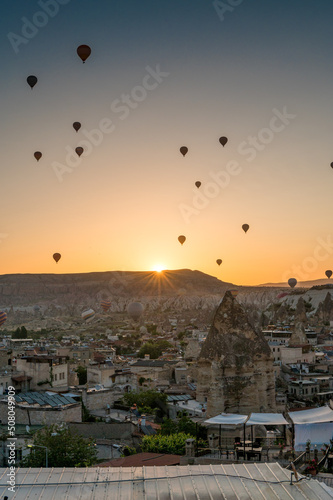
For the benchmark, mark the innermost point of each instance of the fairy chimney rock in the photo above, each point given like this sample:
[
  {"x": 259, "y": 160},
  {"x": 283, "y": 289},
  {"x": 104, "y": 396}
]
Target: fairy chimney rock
[
  {"x": 235, "y": 366},
  {"x": 298, "y": 336}
]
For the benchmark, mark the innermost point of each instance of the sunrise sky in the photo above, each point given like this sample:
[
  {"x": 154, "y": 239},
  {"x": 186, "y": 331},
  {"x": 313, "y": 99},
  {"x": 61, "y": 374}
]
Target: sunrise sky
[{"x": 161, "y": 75}]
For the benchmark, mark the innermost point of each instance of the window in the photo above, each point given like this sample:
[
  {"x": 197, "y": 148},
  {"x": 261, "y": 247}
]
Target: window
[{"x": 55, "y": 377}]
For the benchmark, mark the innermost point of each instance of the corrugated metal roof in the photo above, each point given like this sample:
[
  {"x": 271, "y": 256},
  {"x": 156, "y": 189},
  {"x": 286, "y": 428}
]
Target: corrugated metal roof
[{"x": 258, "y": 481}]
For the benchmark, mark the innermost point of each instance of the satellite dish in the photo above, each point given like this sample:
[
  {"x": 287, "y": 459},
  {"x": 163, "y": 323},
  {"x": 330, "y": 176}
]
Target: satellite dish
[{"x": 27, "y": 428}]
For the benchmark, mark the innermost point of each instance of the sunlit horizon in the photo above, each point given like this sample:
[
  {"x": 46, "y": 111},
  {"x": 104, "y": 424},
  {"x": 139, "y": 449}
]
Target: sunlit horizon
[{"x": 140, "y": 99}]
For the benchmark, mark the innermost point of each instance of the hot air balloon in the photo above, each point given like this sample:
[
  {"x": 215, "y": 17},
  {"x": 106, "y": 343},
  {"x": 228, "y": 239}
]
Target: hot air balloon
[
  {"x": 328, "y": 273},
  {"x": 38, "y": 155},
  {"x": 135, "y": 309},
  {"x": 183, "y": 150},
  {"x": 56, "y": 256},
  {"x": 332, "y": 164},
  {"x": 223, "y": 140},
  {"x": 32, "y": 80},
  {"x": 83, "y": 51},
  {"x": 181, "y": 239},
  {"x": 234, "y": 293},
  {"x": 36, "y": 309},
  {"x": 245, "y": 227},
  {"x": 76, "y": 126},
  {"x": 219, "y": 262},
  {"x": 292, "y": 282},
  {"x": 88, "y": 315},
  {"x": 106, "y": 304},
  {"x": 3, "y": 317},
  {"x": 198, "y": 184},
  {"x": 79, "y": 151}
]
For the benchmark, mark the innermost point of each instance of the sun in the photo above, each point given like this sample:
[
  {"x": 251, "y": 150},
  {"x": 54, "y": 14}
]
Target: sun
[{"x": 158, "y": 268}]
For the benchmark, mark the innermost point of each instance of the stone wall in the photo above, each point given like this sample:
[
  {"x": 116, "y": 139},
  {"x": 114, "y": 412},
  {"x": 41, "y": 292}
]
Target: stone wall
[
  {"x": 42, "y": 416},
  {"x": 100, "y": 399}
]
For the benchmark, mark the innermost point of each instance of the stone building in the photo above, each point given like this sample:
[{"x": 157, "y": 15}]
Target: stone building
[
  {"x": 235, "y": 367},
  {"x": 45, "y": 371}
]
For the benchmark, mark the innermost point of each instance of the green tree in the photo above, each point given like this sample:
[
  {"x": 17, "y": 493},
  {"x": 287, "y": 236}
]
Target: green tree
[
  {"x": 173, "y": 444},
  {"x": 65, "y": 449},
  {"x": 154, "y": 349},
  {"x": 20, "y": 333},
  {"x": 183, "y": 425},
  {"x": 146, "y": 401},
  {"x": 82, "y": 374}
]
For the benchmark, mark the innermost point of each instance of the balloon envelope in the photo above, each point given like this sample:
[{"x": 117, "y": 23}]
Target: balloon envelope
[
  {"x": 56, "y": 256},
  {"x": 181, "y": 239},
  {"x": 83, "y": 51},
  {"x": 223, "y": 140},
  {"x": 88, "y": 315},
  {"x": 32, "y": 80},
  {"x": 198, "y": 184},
  {"x": 328, "y": 273},
  {"x": 183, "y": 150},
  {"x": 234, "y": 293},
  {"x": 245, "y": 227},
  {"x": 135, "y": 309},
  {"x": 292, "y": 282},
  {"x": 106, "y": 304},
  {"x": 38, "y": 155},
  {"x": 76, "y": 126},
  {"x": 3, "y": 317},
  {"x": 332, "y": 164},
  {"x": 219, "y": 261},
  {"x": 79, "y": 151}
]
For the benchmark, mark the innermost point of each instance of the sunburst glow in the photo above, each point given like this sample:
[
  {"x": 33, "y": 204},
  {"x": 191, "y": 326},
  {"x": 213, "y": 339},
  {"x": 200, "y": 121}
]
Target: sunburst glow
[{"x": 158, "y": 268}]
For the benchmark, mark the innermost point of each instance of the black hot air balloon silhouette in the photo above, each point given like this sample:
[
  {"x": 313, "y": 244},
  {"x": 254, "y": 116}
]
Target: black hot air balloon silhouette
[
  {"x": 32, "y": 80},
  {"x": 181, "y": 239},
  {"x": 219, "y": 262},
  {"x": 245, "y": 227},
  {"x": 56, "y": 256},
  {"x": 83, "y": 51},
  {"x": 223, "y": 140},
  {"x": 328, "y": 273},
  {"x": 76, "y": 126},
  {"x": 198, "y": 184},
  {"x": 332, "y": 164},
  {"x": 292, "y": 282},
  {"x": 38, "y": 155},
  {"x": 79, "y": 151},
  {"x": 183, "y": 150}
]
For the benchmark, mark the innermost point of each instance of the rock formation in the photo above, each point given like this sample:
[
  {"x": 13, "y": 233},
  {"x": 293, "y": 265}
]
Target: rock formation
[
  {"x": 298, "y": 337},
  {"x": 235, "y": 366},
  {"x": 325, "y": 309}
]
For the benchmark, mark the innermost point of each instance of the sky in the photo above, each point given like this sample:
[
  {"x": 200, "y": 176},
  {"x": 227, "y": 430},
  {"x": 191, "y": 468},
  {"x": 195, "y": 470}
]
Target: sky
[{"x": 162, "y": 75}]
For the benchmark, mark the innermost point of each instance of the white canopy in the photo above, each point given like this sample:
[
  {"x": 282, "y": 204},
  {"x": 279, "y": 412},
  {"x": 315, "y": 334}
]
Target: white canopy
[
  {"x": 314, "y": 416},
  {"x": 266, "y": 419},
  {"x": 227, "y": 419}
]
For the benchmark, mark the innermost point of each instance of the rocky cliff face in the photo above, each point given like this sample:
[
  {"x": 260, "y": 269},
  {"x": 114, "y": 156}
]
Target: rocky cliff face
[{"x": 235, "y": 367}]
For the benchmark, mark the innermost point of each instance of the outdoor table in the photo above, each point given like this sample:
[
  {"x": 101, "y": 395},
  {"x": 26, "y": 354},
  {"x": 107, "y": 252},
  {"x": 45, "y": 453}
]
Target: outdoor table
[{"x": 249, "y": 452}]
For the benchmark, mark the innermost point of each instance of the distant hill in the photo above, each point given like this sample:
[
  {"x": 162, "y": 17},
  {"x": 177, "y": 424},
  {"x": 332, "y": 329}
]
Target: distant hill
[
  {"x": 301, "y": 284},
  {"x": 57, "y": 300}
]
